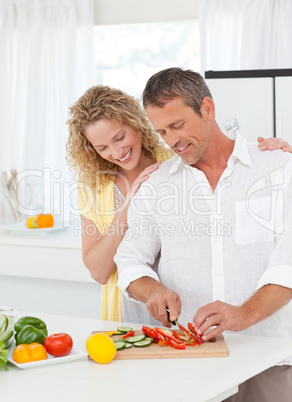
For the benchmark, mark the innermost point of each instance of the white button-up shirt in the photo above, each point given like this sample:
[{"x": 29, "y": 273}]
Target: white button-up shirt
[{"x": 214, "y": 246}]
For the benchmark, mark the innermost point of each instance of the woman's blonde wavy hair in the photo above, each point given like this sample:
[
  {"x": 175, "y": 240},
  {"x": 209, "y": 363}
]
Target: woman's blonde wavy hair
[{"x": 103, "y": 102}]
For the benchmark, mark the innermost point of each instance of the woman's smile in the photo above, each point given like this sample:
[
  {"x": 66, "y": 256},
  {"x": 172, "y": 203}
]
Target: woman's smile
[{"x": 127, "y": 157}]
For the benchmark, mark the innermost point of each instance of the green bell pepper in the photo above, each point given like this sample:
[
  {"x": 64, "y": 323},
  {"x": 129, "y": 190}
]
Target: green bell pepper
[{"x": 29, "y": 330}]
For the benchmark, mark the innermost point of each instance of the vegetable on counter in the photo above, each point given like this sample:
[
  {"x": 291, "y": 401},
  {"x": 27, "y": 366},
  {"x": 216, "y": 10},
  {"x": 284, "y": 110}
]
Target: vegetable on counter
[
  {"x": 101, "y": 348},
  {"x": 29, "y": 330},
  {"x": 25, "y": 353},
  {"x": 6, "y": 328},
  {"x": 3, "y": 355},
  {"x": 6, "y": 336},
  {"x": 58, "y": 344}
]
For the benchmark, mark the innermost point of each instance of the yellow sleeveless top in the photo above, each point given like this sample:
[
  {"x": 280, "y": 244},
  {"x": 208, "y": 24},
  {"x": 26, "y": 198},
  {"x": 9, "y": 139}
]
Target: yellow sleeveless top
[{"x": 98, "y": 206}]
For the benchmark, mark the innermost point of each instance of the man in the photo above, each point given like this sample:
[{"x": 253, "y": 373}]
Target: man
[{"x": 219, "y": 214}]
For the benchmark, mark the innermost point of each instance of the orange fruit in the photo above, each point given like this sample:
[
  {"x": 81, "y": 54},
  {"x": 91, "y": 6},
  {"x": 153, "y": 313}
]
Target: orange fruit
[{"x": 45, "y": 221}]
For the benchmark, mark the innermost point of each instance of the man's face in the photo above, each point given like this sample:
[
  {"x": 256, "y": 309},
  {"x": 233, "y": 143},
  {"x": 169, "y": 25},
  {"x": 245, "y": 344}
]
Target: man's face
[{"x": 182, "y": 129}]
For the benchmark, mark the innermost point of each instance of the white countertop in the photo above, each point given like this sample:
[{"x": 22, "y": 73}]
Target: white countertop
[{"x": 172, "y": 380}]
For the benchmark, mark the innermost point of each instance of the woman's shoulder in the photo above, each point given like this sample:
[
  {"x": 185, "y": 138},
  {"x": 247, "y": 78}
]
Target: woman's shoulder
[{"x": 164, "y": 154}]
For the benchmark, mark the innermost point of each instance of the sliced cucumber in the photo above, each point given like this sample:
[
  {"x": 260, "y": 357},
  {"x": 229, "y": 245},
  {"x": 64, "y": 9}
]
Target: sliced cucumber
[
  {"x": 136, "y": 338},
  {"x": 125, "y": 329},
  {"x": 128, "y": 345},
  {"x": 143, "y": 343},
  {"x": 148, "y": 338},
  {"x": 120, "y": 345}
]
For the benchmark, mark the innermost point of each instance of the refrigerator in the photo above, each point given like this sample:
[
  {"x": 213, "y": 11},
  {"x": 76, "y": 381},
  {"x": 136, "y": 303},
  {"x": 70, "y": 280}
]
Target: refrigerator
[{"x": 255, "y": 102}]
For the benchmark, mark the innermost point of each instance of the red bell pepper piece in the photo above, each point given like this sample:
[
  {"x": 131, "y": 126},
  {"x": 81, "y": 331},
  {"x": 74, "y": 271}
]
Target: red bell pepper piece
[
  {"x": 192, "y": 329},
  {"x": 189, "y": 335},
  {"x": 167, "y": 334},
  {"x": 150, "y": 332},
  {"x": 127, "y": 335},
  {"x": 177, "y": 345}
]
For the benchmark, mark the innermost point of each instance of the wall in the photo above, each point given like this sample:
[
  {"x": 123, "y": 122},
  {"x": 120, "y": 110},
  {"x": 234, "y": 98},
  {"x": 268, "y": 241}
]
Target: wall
[{"x": 109, "y": 12}]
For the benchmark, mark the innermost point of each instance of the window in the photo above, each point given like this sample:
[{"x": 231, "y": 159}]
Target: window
[{"x": 127, "y": 55}]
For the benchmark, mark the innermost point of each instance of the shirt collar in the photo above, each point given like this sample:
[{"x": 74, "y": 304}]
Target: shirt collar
[{"x": 240, "y": 152}]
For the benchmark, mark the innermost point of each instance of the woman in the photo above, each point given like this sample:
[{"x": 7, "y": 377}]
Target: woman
[{"x": 113, "y": 148}]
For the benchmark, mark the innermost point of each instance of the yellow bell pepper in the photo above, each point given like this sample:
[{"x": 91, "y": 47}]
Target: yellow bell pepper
[{"x": 24, "y": 353}]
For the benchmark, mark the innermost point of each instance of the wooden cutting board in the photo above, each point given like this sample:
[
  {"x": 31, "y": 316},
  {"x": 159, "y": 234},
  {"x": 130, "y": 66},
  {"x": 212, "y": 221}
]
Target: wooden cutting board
[{"x": 217, "y": 348}]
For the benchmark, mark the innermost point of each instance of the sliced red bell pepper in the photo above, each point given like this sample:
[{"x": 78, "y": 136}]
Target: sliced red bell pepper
[
  {"x": 150, "y": 332},
  {"x": 168, "y": 336},
  {"x": 177, "y": 345},
  {"x": 127, "y": 335},
  {"x": 180, "y": 337},
  {"x": 198, "y": 337},
  {"x": 188, "y": 334}
]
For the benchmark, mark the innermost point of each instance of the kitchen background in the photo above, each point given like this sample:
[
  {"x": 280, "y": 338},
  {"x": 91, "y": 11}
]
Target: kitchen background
[{"x": 53, "y": 50}]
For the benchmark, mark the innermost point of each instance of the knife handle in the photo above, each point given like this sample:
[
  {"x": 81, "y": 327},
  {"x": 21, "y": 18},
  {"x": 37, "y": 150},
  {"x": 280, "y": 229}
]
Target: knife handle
[{"x": 168, "y": 317}]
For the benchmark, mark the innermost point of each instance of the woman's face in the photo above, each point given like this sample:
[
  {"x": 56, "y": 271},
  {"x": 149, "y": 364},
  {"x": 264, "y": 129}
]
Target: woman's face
[{"x": 115, "y": 142}]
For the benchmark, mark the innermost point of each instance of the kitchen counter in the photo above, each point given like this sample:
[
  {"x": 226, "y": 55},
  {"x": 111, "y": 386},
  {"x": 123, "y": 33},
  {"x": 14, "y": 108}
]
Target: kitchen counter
[{"x": 172, "y": 380}]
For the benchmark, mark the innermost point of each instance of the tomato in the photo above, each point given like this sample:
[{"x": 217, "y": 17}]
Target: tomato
[{"x": 58, "y": 344}]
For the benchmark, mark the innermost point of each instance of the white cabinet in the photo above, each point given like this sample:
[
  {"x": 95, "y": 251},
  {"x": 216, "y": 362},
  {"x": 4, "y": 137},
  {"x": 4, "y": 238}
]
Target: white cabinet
[
  {"x": 260, "y": 100},
  {"x": 284, "y": 108},
  {"x": 46, "y": 274},
  {"x": 249, "y": 100}
]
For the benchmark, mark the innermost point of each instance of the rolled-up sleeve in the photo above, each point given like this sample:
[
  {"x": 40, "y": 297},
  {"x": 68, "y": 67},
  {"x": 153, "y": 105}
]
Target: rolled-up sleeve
[
  {"x": 138, "y": 250},
  {"x": 279, "y": 270}
]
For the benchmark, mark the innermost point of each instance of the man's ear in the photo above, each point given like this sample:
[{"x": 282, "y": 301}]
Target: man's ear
[{"x": 208, "y": 108}]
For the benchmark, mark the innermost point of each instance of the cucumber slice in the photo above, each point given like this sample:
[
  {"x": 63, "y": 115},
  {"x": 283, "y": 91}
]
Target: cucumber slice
[
  {"x": 136, "y": 338},
  {"x": 128, "y": 345},
  {"x": 143, "y": 343},
  {"x": 120, "y": 345},
  {"x": 148, "y": 338},
  {"x": 125, "y": 329}
]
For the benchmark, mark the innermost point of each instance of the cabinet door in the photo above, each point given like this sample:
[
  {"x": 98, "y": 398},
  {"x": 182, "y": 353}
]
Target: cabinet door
[
  {"x": 284, "y": 108},
  {"x": 249, "y": 100}
]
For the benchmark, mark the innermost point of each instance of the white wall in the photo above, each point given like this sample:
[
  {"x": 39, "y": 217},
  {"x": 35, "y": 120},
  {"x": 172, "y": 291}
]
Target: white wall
[{"x": 133, "y": 11}]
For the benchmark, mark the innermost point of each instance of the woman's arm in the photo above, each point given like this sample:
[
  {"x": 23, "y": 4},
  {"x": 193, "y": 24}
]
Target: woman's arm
[
  {"x": 98, "y": 251},
  {"x": 273, "y": 143}
]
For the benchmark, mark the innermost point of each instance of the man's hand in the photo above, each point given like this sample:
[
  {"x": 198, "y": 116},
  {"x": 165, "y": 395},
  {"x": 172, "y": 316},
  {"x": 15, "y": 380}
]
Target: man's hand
[
  {"x": 222, "y": 315},
  {"x": 157, "y": 297},
  {"x": 265, "y": 302},
  {"x": 158, "y": 301}
]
